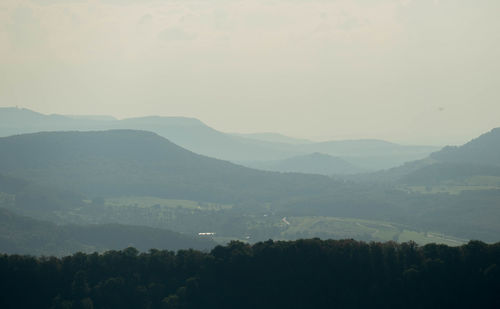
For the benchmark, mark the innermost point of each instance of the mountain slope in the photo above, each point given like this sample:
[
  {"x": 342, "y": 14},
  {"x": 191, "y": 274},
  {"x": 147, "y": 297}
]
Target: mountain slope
[
  {"x": 24, "y": 235},
  {"x": 26, "y": 196},
  {"x": 126, "y": 162},
  {"x": 479, "y": 157},
  {"x": 484, "y": 150}
]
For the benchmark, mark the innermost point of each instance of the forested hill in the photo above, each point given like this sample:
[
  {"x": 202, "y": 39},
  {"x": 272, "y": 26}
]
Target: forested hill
[
  {"x": 300, "y": 274},
  {"x": 479, "y": 157},
  {"x": 484, "y": 150},
  {"x": 24, "y": 235},
  {"x": 127, "y": 162}
]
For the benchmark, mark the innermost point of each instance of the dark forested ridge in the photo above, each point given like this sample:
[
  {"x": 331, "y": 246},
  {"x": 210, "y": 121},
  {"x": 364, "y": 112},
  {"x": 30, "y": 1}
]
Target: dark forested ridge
[
  {"x": 127, "y": 162},
  {"x": 484, "y": 149},
  {"x": 299, "y": 274},
  {"x": 478, "y": 157}
]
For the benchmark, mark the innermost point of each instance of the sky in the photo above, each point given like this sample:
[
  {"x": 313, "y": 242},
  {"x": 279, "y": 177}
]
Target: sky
[{"x": 409, "y": 71}]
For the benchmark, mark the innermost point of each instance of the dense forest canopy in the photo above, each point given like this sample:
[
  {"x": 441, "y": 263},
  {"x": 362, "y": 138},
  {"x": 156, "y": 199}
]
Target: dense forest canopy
[{"x": 298, "y": 274}]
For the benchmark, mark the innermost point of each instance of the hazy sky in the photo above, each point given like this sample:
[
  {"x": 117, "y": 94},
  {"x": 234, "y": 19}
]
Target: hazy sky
[{"x": 421, "y": 71}]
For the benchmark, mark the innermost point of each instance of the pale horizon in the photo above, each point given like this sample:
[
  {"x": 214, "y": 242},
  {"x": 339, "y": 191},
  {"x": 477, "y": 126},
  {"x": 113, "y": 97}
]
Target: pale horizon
[
  {"x": 414, "y": 72},
  {"x": 309, "y": 138}
]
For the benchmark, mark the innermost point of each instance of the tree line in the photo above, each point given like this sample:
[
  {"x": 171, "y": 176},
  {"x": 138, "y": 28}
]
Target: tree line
[{"x": 308, "y": 273}]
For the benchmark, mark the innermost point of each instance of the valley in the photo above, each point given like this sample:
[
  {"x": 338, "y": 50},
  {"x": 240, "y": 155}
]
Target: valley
[{"x": 138, "y": 178}]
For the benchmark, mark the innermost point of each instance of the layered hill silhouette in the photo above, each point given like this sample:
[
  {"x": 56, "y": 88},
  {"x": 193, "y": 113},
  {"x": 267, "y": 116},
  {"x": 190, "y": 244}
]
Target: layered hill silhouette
[
  {"x": 189, "y": 133},
  {"x": 196, "y": 136},
  {"x": 315, "y": 163},
  {"x": 125, "y": 163},
  {"x": 274, "y": 138}
]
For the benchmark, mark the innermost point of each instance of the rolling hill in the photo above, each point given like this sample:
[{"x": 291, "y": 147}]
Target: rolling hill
[{"x": 126, "y": 162}]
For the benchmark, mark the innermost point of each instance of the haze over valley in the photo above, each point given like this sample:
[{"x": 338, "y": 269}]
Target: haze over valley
[
  {"x": 249, "y": 154},
  {"x": 89, "y": 170}
]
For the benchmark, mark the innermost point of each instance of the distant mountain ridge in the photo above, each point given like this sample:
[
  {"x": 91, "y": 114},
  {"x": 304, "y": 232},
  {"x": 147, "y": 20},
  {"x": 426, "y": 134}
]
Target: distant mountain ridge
[
  {"x": 274, "y": 138},
  {"x": 315, "y": 163},
  {"x": 195, "y": 136}
]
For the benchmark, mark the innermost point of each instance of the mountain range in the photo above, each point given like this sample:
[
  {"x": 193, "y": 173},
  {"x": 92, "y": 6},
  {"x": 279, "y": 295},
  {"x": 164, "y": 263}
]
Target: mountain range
[
  {"x": 244, "y": 149},
  {"x": 128, "y": 181}
]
